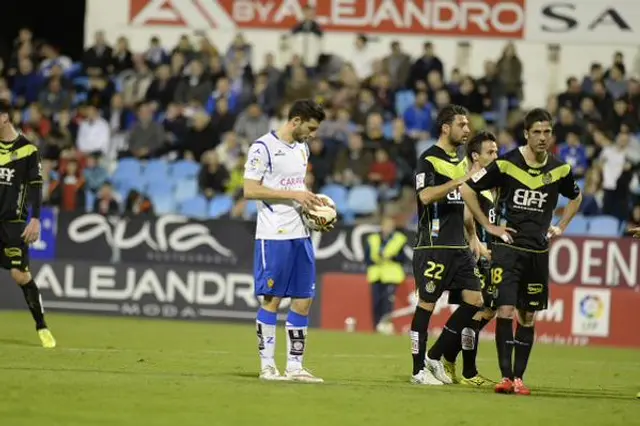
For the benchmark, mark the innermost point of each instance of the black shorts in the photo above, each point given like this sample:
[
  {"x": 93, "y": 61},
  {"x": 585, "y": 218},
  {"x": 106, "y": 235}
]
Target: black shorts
[
  {"x": 14, "y": 251},
  {"x": 521, "y": 277},
  {"x": 488, "y": 290},
  {"x": 437, "y": 270}
]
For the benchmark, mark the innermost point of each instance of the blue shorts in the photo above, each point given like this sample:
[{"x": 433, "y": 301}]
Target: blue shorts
[{"x": 285, "y": 268}]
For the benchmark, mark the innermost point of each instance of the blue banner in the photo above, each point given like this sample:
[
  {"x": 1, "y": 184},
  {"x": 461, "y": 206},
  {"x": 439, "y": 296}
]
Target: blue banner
[{"x": 45, "y": 248}]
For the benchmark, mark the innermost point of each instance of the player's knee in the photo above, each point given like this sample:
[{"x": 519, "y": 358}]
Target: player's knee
[
  {"x": 301, "y": 306},
  {"x": 20, "y": 277},
  {"x": 506, "y": 312},
  {"x": 488, "y": 314},
  {"x": 473, "y": 298},
  {"x": 427, "y": 306},
  {"x": 271, "y": 303},
  {"x": 526, "y": 318}
]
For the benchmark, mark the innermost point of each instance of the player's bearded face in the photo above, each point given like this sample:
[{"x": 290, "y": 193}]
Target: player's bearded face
[
  {"x": 459, "y": 133},
  {"x": 539, "y": 136},
  {"x": 304, "y": 131}
]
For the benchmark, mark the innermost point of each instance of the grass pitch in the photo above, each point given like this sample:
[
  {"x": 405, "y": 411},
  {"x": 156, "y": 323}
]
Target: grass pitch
[{"x": 111, "y": 371}]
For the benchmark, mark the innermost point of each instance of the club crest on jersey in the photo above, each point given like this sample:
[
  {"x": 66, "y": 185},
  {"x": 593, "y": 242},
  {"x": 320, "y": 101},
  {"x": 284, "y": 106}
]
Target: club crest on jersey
[
  {"x": 270, "y": 283},
  {"x": 14, "y": 156},
  {"x": 430, "y": 287},
  {"x": 547, "y": 178}
]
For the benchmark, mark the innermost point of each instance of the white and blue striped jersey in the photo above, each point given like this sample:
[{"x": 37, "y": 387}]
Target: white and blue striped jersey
[{"x": 282, "y": 166}]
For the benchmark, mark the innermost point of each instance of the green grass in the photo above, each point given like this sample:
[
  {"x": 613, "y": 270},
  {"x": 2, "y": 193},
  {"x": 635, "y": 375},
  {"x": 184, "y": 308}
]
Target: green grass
[{"x": 109, "y": 371}]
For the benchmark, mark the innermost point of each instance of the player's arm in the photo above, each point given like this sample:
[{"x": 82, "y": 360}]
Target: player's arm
[
  {"x": 31, "y": 233},
  {"x": 568, "y": 188},
  {"x": 257, "y": 165},
  {"x": 487, "y": 178},
  {"x": 428, "y": 192},
  {"x": 470, "y": 233}
]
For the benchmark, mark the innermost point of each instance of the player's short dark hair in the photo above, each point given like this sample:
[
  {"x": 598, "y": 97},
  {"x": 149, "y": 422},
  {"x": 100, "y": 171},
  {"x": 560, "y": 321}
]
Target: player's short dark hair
[
  {"x": 535, "y": 115},
  {"x": 307, "y": 110},
  {"x": 475, "y": 144},
  {"x": 448, "y": 114},
  {"x": 5, "y": 108}
]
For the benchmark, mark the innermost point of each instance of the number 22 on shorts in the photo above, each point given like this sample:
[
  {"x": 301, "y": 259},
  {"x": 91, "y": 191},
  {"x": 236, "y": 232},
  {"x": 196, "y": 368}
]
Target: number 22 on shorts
[{"x": 434, "y": 270}]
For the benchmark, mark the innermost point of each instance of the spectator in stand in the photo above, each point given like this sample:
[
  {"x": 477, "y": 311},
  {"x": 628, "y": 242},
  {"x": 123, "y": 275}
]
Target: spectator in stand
[
  {"x": 566, "y": 124},
  {"x": 510, "y": 72},
  {"x": 94, "y": 174},
  {"x": 321, "y": 161},
  {"x": 213, "y": 178},
  {"x": 353, "y": 163},
  {"x": 195, "y": 86},
  {"x": 403, "y": 150},
  {"x": 299, "y": 86},
  {"x": 634, "y": 220},
  {"x": 365, "y": 106},
  {"x": 201, "y": 137},
  {"x": 308, "y": 24},
  {"x": 136, "y": 83},
  {"x": 603, "y": 100},
  {"x": 94, "y": 134},
  {"x": 62, "y": 136},
  {"x": 156, "y": 55},
  {"x": 121, "y": 57},
  {"x": 588, "y": 112},
  {"x": 251, "y": 124},
  {"x": 146, "y": 137},
  {"x": 418, "y": 118},
  {"x": 335, "y": 129},
  {"x": 323, "y": 93},
  {"x": 361, "y": 57},
  {"x": 266, "y": 95},
  {"x": 618, "y": 62},
  {"x": 592, "y": 194},
  {"x": 572, "y": 97},
  {"x": 162, "y": 89},
  {"x": 97, "y": 58},
  {"x": 398, "y": 65},
  {"x": 230, "y": 151},
  {"x": 574, "y": 153},
  {"x": 36, "y": 126},
  {"x": 215, "y": 70},
  {"x": 68, "y": 192},
  {"x": 426, "y": 64},
  {"x": 633, "y": 96},
  {"x": 469, "y": 97},
  {"x": 185, "y": 48},
  {"x": 490, "y": 87},
  {"x": 26, "y": 83},
  {"x": 596, "y": 73},
  {"x": 52, "y": 57},
  {"x": 120, "y": 117},
  {"x": 616, "y": 167},
  {"x": 239, "y": 49},
  {"x": 106, "y": 203},
  {"x": 223, "y": 91},
  {"x": 622, "y": 115},
  {"x": 138, "y": 204},
  {"x": 174, "y": 125},
  {"x": 506, "y": 142},
  {"x": 236, "y": 179},
  {"x": 54, "y": 98},
  {"x": 383, "y": 171},
  {"x": 223, "y": 120},
  {"x": 615, "y": 83},
  {"x": 374, "y": 137},
  {"x": 49, "y": 177}
]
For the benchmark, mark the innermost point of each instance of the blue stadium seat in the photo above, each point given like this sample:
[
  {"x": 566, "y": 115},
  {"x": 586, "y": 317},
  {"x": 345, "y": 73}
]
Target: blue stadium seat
[
  {"x": 404, "y": 99},
  {"x": 184, "y": 169},
  {"x": 156, "y": 170},
  {"x": 339, "y": 195},
  {"x": 363, "y": 200},
  {"x": 220, "y": 205},
  {"x": 604, "y": 226},
  {"x": 128, "y": 173},
  {"x": 74, "y": 70},
  {"x": 159, "y": 187},
  {"x": 163, "y": 203},
  {"x": 388, "y": 130},
  {"x": 562, "y": 202},
  {"x": 580, "y": 183},
  {"x": 79, "y": 98},
  {"x": 195, "y": 207},
  {"x": 579, "y": 226},
  {"x": 250, "y": 209},
  {"x": 185, "y": 189}
]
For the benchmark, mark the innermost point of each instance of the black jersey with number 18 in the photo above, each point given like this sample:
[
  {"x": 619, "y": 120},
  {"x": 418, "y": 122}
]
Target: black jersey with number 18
[
  {"x": 441, "y": 223},
  {"x": 527, "y": 195}
]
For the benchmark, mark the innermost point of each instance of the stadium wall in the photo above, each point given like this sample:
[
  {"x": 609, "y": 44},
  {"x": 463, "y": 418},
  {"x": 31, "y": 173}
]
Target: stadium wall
[{"x": 176, "y": 268}]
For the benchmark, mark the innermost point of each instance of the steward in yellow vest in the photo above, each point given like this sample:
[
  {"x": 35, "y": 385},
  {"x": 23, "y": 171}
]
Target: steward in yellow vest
[{"x": 384, "y": 255}]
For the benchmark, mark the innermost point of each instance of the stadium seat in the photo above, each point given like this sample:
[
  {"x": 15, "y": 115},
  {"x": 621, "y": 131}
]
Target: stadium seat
[
  {"x": 562, "y": 202},
  {"x": 580, "y": 183},
  {"x": 220, "y": 205},
  {"x": 128, "y": 167},
  {"x": 339, "y": 194},
  {"x": 74, "y": 70},
  {"x": 363, "y": 200},
  {"x": 388, "y": 130},
  {"x": 185, "y": 189},
  {"x": 156, "y": 170},
  {"x": 195, "y": 207},
  {"x": 163, "y": 203},
  {"x": 604, "y": 226},
  {"x": 159, "y": 187},
  {"x": 250, "y": 209},
  {"x": 184, "y": 169},
  {"x": 579, "y": 226}
]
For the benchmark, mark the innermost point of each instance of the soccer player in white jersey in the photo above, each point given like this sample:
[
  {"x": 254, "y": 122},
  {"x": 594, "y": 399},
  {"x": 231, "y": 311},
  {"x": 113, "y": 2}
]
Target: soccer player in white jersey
[{"x": 284, "y": 263}]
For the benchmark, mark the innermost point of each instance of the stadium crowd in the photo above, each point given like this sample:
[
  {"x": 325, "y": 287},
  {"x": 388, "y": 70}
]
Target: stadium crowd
[{"x": 166, "y": 130}]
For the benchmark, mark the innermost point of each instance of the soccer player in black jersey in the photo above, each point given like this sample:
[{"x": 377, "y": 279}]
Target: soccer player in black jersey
[
  {"x": 20, "y": 185},
  {"x": 529, "y": 181},
  {"x": 442, "y": 259},
  {"x": 481, "y": 151}
]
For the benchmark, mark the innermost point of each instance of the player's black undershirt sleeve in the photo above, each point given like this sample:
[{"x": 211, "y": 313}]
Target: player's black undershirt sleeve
[
  {"x": 568, "y": 187},
  {"x": 487, "y": 178},
  {"x": 35, "y": 184}
]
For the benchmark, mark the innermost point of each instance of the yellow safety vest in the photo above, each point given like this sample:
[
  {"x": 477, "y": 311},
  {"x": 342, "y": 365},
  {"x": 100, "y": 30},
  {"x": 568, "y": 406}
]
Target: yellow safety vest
[{"x": 384, "y": 269}]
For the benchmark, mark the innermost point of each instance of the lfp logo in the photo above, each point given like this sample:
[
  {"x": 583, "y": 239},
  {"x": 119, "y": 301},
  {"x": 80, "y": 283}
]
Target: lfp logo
[{"x": 591, "y": 311}]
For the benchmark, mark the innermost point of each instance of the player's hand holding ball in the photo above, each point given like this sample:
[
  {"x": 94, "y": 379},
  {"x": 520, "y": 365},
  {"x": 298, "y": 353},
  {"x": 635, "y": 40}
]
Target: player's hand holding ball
[{"x": 323, "y": 217}]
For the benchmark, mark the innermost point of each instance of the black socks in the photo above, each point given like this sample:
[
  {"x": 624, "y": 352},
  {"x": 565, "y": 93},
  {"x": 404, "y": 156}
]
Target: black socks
[
  {"x": 449, "y": 340},
  {"x": 419, "y": 332},
  {"x": 504, "y": 345},
  {"x": 34, "y": 302},
  {"x": 523, "y": 344}
]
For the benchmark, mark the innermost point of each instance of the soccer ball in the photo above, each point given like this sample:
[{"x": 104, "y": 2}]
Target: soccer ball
[{"x": 320, "y": 217}]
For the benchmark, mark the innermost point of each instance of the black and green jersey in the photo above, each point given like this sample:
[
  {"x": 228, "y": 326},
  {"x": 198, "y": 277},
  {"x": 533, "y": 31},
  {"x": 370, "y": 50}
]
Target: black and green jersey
[
  {"x": 487, "y": 204},
  {"x": 19, "y": 168},
  {"x": 441, "y": 224},
  {"x": 527, "y": 195}
]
